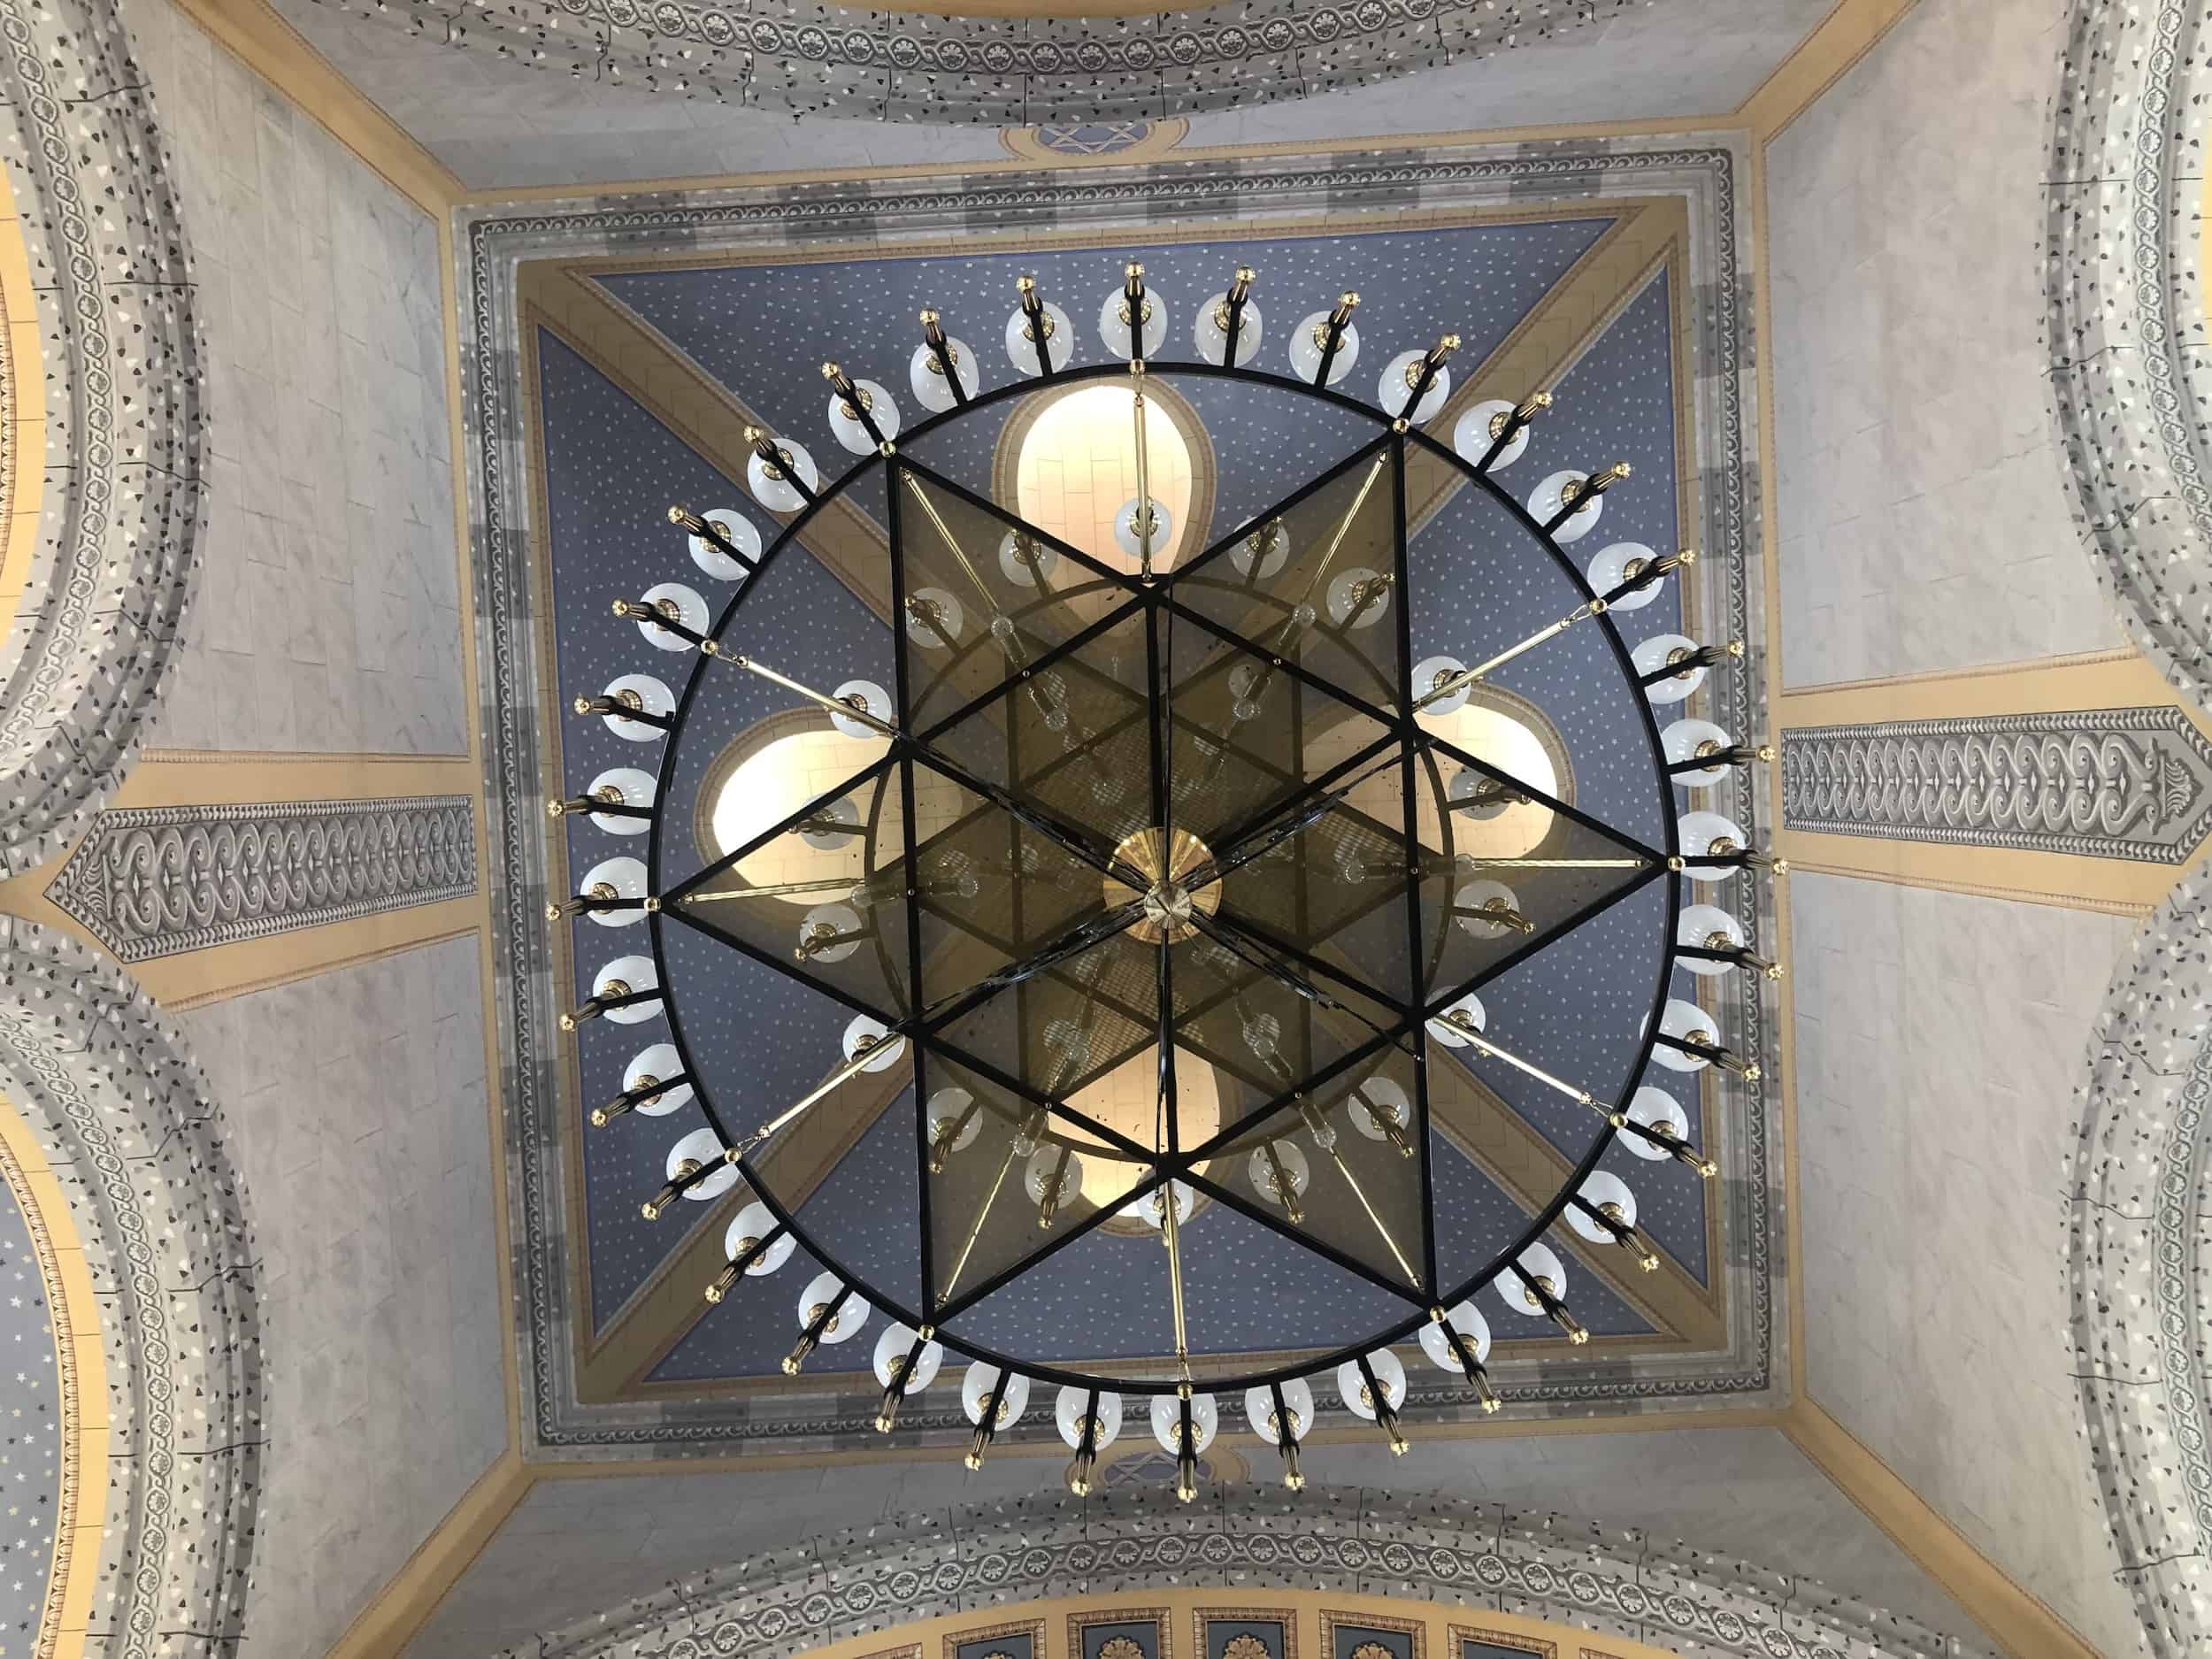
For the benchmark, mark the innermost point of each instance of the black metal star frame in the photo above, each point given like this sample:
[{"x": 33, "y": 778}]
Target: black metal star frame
[{"x": 1187, "y": 815}]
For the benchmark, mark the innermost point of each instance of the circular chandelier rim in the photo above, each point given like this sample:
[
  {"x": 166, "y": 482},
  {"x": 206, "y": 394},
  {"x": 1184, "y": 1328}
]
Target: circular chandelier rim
[{"x": 1141, "y": 593}]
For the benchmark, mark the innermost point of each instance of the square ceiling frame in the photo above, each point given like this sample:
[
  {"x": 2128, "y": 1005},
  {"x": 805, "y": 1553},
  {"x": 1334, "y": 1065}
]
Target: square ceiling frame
[{"x": 581, "y": 1397}]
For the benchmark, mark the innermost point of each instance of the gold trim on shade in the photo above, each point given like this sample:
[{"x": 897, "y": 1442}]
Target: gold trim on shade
[
  {"x": 23, "y": 409},
  {"x": 81, "y": 1370}
]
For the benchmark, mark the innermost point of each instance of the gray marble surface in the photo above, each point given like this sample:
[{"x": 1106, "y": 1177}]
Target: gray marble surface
[
  {"x": 1940, "y": 1039},
  {"x": 497, "y": 123},
  {"x": 1923, "y": 515},
  {"x": 356, "y": 1111},
  {"x": 577, "y": 1547},
  {"x": 328, "y": 613}
]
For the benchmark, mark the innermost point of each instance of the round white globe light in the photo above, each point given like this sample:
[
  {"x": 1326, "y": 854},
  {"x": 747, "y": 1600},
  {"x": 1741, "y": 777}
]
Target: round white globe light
[
  {"x": 1305, "y": 350},
  {"x": 850, "y": 432},
  {"x": 739, "y": 533},
  {"x": 1480, "y": 427},
  {"x": 660, "y": 1062},
  {"x": 1655, "y": 1109},
  {"x": 681, "y": 604},
  {"x": 1021, "y": 347},
  {"x": 1259, "y": 1410},
  {"x": 872, "y": 697},
  {"x": 701, "y": 1146},
  {"x": 932, "y": 390},
  {"x": 776, "y": 494},
  {"x": 1394, "y": 390},
  {"x": 1619, "y": 562},
  {"x": 1073, "y": 1404},
  {"x": 1681, "y": 741},
  {"x": 756, "y": 1221},
  {"x": 1650, "y": 655},
  {"x": 1465, "y": 1319},
  {"x": 1211, "y": 338},
  {"x": 1451, "y": 1035},
  {"x": 653, "y": 697},
  {"x": 639, "y": 974},
  {"x": 1151, "y": 328},
  {"x": 626, "y": 877}
]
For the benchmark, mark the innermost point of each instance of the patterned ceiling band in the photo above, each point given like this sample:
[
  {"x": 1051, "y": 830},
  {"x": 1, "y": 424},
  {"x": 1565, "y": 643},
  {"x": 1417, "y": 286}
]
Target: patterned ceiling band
[{"x": 836, "y": 60}]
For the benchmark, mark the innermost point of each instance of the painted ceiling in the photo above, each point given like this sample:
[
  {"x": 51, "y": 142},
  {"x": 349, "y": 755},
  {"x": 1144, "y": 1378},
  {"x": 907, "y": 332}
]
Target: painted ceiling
[
  {"x": 30, "y": 1433},
  {"x": 611, "y": 471}
]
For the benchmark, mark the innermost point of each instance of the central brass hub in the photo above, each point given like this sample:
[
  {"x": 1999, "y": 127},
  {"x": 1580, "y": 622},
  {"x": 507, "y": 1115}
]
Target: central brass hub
[{"x": 1165, "y": 864}]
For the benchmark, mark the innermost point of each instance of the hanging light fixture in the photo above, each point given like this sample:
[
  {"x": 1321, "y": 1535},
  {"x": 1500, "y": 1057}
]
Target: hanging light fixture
[{"x": 1280, "y": 944}]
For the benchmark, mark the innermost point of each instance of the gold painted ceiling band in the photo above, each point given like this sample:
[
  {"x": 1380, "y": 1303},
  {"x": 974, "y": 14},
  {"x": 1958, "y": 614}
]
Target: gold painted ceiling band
[
  {"x": 2122, "y": 679},
  {"x": 22, "y": 408},
  {"x": 1821, "y": 59}
]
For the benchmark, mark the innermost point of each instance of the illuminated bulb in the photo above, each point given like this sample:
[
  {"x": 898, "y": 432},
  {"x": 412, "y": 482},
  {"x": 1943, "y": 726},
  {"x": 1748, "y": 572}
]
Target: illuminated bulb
[
  {"x": 739, "y": 533},
  {"x": 679, "y": 603},
  {"x": 976, "y": 1389},
  {"x": 1481, "y": 426}
]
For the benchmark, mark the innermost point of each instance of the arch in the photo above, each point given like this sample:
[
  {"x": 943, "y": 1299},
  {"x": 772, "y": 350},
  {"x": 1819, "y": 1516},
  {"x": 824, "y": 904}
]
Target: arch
[
  {"x": 135, "y": 1144},
  {"x": 2139, "y": 1269},
  {"x": 82, "y": 666},
  {"x": 1438, "y": 1550},
  {"x": 2132, "y": 391}
]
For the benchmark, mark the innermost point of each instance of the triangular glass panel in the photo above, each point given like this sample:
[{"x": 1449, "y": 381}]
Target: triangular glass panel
[
  {"x": 1266, "y": 1022},
  {"x": 1069, "y": 738},
  {"x": 1575, "y": 1009},
  {"x": 1007, "y": 1178},
  {"x": 985, "y": 593},
  {"x": 1248, "y": 1288},
  {"x": 1327, "y": 873},
  {"x": 1344, "y": 1167},
  {"x": 818, "y": 890},
  {"x": 1313, "y": 580},
  {"x": 1249, "y": 732},
  {"x": 1507, "y": 866}
]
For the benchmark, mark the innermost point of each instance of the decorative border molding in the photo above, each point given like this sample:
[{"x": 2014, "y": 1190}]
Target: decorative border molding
[
  {"x": 155, "y": 881},
  {"x": 69, "y": 1417},
  {"x": 82, "y": 665},
  {"x": 137, "y": 1146},
  {"x": 810, "y": 58},
  {"x": 2139, "y": 1272},
  {"x": 1079, "y": 143},
  {"x": 897, "y": 1572},
  {"x": 1096, "y": 200},
  {"x": 2107, "y": 783},
  {"x": 2132, "y": 391}
]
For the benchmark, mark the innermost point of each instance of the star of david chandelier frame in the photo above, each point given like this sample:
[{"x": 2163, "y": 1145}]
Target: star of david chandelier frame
[{"x": 1120, "y": 817}]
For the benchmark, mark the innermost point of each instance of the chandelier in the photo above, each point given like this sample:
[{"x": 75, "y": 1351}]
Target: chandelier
[{"x": 1147, "y": 868}]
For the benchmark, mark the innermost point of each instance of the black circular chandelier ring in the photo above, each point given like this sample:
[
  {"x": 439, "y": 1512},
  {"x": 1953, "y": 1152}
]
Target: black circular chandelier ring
[{"x": 1175, "y": 1167}]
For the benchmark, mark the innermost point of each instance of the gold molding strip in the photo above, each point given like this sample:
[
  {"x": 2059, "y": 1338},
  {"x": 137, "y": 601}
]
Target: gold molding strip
[
  {"x": 80, "y": 1369},
  {"x": 1821, "y": 59},
  {"x": 2013, "y": 1615},
  {"x": 23, "y": 443},
  {"x": 253, "y": 33},
  {"x": 2119, "y": 679},
  {"x": 403, "y": 1606}
]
